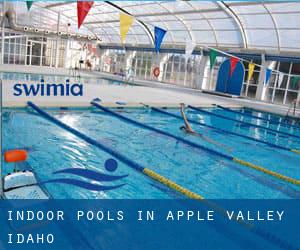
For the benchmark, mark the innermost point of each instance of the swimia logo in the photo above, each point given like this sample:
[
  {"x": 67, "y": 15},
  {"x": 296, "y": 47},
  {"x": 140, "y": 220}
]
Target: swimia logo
[{"x": 48, "y": 89}]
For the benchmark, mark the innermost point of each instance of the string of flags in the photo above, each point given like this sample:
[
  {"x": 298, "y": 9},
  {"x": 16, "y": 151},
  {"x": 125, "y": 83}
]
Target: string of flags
[
  {"x": 83, "y": 8},
  {"x": 29, "y": 4},
  {"x": 268, "y": 76},
  {"x": 294, "y": 80},
  {"x": 233, "y": 63},
  {"x": 159, "y": 35},
  {"x": 126, "y": 21}
]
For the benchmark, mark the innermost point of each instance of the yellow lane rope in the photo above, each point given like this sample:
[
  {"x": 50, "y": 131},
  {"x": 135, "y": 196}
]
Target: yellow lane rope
[
  {"x": 269, "y": 172},
  {"x": 172, "y": 184},
  {"x": 296, "y": 151}
]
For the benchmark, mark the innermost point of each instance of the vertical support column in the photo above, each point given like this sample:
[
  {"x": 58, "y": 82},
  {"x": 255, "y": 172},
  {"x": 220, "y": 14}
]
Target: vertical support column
[
  {"x": 162, "y": 62},
  {"x": 2, "y": 41},
  {"x": 185, "y": 70},
  {"x": 288, "y": 83},
  {"x": 298, "y": 99},
  {"x": 261, "y": 89},
  {"x": 67, "y": 64},
  {"x": 57, "y": 41},
  {"x": 203, "y": 77}
]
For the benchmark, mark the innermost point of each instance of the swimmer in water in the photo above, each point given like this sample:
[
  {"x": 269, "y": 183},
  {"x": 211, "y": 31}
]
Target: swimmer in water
[{"x": 188, "y": 129}]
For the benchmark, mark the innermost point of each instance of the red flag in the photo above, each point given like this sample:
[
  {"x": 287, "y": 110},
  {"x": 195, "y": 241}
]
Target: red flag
[
  {"x": 83, "y": 9},
  {"x": 233, "y": 62}
]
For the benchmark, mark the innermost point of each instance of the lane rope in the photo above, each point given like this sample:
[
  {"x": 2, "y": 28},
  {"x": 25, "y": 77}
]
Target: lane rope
[
  {"x": 257, "y": 117},
  {"x": 136, "y": 166},
  {"x": 155, "y": 176},
  {"x": 224, "y": 131},
  {"x": 195, "y": 145},
  {"x": 145, "y": 126},
  {"x": 269, "y": 172},
  {"x": 248, "y": 123}
]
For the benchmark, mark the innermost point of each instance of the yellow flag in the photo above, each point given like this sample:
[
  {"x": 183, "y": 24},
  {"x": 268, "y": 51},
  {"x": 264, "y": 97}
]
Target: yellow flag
[
  {"x": 125, "y": 23},
  {"x": 250, "y": 71}
]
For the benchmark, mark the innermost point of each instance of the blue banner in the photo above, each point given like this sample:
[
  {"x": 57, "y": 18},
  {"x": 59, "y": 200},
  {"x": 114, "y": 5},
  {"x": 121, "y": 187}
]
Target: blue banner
[
  {"x": 159, "y": 35},
  {"x": 268, "y": 75},
  {"x": 149, "y": 224}
]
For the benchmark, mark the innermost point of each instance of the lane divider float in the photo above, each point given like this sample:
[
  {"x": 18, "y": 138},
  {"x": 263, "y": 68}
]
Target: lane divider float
[
  {"x": 296, "y": 151},
  {"x": 155, "y": 176},
  {"x": 134, "y": 165},
  {"x": 257, "y": 117},
  {"x": 247, "y": 123},
  {"x": 195, "y": 145}
]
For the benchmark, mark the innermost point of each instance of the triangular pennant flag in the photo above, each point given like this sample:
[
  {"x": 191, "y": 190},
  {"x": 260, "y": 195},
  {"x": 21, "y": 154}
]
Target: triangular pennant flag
[
  {"x": 212, "y": 57},
  {"x": 29, "y": 4},
  {"x": 83, "y": 8},
  {"x": 295, "y": 80},
  {"x": 280, "y": 79},
  {"x": 251, "y": 67},
  {"x": 125, "y": 23},
  {"x": 159, "y": 35},
  {"x": 268, "y": 75},
  {"x": 189, "y": 48},
  {"x": 233, "y": 63}
]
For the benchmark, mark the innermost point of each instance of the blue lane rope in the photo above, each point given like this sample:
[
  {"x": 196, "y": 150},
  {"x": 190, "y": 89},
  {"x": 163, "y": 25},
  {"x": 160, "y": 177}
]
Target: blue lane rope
[
  {"x": 136, "y": 166},
  {"x": 257, "y": 117},
  {"x": 221, "y": 130},
  {"x": 195, "y": 145},
  {"x": 153, "y": 175},
  {"x": 285, "y": 118},
  {"x": 145, "y": 126},
  {"x": 248, "y": 123},
  {"x": 84, "y": 137}
]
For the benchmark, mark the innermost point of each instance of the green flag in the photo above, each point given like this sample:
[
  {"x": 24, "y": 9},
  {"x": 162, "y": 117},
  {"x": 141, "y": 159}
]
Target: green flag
[
  {"x": 295, "y": 80},
  {"x": 29, "y": 4},
  {"x": 212, "y": 56}
]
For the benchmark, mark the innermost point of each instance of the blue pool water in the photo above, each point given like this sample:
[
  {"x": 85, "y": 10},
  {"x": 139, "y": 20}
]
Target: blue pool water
[
  {"x": 57, "y": 79},
  {"x": 52, "y": 149}
]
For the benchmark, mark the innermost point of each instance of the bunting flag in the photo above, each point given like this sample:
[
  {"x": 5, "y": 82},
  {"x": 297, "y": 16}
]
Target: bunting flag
[
  {"x": 159, "y": 35},
  {"x": 29, "y": 4},
  {"x": 295, "y": 80},
  {"x": 251, "y": 67},
  {"x": 189, "y": 48},
  {"x": 268, "y": 76},
  {"x": 233, "y": 63},
  {"x": 83, "y": 8},
  {"x": 125, "y": 23},
  {"x": 212, "y": 57},
  {"x": 280, "y": 79}
]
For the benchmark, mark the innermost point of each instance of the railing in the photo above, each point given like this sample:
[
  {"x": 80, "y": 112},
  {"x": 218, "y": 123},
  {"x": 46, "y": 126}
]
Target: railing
[{"x": 292, "y": 106}]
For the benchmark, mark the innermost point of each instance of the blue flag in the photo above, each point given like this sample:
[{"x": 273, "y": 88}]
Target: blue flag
[
  {"x": 268, "y": 75},
  {"x": 159, "y": 34}
]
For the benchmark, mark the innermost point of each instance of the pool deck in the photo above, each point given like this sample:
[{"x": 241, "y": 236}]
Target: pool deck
[
  {"x": 110, "y": 94},
  {"x": 146, "y": 92}
]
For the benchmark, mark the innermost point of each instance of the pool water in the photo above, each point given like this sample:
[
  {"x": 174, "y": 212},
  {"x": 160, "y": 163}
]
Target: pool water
[
  {"x": 58, "y": 79},
  {"x": 52, "y": 148}
]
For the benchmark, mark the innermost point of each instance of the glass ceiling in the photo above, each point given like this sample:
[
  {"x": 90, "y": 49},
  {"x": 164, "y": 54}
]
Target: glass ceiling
[{"x": 251, "y": 25}]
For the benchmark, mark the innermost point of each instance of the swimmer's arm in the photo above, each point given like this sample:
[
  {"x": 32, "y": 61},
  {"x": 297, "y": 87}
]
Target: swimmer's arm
[{"x": 186, "y": 123}]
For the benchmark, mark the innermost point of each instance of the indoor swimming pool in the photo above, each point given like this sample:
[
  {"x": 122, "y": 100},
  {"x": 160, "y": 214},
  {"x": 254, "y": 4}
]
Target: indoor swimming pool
[{"x": 52, "y": 148}]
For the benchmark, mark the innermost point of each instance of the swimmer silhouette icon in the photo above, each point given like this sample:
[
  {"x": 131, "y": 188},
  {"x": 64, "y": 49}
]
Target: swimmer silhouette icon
[{"x": 110, "y": 165}]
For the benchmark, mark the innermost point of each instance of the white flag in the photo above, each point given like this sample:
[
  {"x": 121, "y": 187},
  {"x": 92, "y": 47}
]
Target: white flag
[
  {"x": 280, "y": 79},
  {"x": 189, "y": 48}
]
